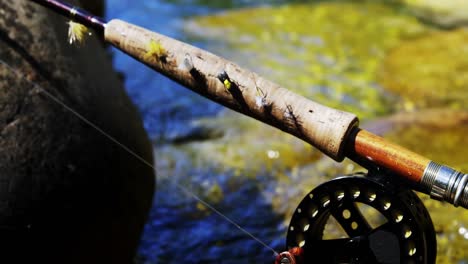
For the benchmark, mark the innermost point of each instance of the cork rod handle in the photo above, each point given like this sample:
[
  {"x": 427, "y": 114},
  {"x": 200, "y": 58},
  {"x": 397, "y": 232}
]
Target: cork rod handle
[{"x": 234, "y": 87}]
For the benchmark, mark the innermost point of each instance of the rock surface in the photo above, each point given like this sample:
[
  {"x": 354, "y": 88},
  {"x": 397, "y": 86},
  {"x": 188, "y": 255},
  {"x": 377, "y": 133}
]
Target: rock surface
[
  {"x": 309, "y": 49},
  {"x": 445, "y": 14},
  {"x": 68, "y": 194}
]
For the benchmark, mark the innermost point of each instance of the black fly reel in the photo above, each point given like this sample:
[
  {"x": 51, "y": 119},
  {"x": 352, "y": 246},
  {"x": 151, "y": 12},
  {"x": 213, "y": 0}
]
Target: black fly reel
[{"x": 382, "y": 223}]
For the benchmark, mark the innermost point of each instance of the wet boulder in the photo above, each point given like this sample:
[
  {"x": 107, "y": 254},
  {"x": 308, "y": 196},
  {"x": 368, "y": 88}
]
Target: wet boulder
[
  {"x": 445, "y": 14},
  {"x": 68, "y": 193}
]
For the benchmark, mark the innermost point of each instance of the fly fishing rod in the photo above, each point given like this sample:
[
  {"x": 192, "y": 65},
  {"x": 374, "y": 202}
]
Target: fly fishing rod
[{"x": 335, "y": 133}]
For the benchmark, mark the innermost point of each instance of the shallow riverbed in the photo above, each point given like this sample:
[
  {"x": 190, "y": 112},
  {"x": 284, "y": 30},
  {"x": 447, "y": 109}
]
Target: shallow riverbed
[{"x": 375, "y": 60}]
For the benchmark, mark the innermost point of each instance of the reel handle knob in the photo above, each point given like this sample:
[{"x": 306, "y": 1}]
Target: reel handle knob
[{"x": 293, "y": 256}]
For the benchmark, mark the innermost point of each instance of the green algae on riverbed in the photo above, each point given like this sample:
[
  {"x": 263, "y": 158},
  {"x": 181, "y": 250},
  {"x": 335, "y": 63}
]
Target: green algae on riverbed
[
  {"x": 430, "y": 71},
  {"x": 310, "y": 49},
  {"x": 329, "y": 52},
  {"x": 247, "y": 148}
]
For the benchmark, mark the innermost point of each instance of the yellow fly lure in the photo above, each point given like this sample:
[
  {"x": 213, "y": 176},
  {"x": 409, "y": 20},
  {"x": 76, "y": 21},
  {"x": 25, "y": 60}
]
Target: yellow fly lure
[{"x": 77, "y": 32}]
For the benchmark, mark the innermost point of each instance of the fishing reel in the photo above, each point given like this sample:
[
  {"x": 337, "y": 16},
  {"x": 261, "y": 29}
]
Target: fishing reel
[{"x": 381, "y": 222}]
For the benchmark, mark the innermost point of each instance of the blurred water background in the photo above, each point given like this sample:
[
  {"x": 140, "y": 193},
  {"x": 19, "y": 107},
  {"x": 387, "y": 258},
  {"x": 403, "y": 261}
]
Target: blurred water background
[{"x": 401, "y": 66}]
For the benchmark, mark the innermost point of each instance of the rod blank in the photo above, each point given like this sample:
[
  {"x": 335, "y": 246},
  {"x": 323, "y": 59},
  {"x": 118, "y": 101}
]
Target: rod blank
[{"x": 75, "y": 13}]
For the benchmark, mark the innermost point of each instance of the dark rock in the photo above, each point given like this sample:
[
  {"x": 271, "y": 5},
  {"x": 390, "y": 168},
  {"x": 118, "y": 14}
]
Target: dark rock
[
  {"x": 194, "y": 134},
  {"x": 68, "y": 194},
  {"x": 95, "y": 7}
]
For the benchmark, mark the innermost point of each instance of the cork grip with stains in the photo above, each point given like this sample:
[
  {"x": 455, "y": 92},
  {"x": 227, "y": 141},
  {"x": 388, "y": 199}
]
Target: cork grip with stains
[{"x": 239, "y": 89}]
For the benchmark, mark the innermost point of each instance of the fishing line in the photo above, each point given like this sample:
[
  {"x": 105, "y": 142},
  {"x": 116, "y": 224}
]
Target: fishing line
[{"x": 131, "y": 152}]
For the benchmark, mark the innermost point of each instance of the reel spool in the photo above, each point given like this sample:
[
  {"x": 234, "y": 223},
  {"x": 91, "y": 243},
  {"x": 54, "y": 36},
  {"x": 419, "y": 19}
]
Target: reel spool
[{"x": 405, "y": 233}]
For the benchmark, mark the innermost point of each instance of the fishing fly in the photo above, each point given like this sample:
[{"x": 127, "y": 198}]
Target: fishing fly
[{"x": 77, "y": 32}]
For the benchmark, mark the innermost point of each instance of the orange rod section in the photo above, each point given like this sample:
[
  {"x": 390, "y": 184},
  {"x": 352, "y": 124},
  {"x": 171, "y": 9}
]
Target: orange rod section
[{"x": 391, "y": 156}]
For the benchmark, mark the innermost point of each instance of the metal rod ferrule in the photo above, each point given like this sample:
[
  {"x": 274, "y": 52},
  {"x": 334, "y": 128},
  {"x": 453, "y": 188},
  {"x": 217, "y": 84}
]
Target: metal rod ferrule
[
  {"x": 446, "y": 184},
  {"x": 75, "y": 13}
]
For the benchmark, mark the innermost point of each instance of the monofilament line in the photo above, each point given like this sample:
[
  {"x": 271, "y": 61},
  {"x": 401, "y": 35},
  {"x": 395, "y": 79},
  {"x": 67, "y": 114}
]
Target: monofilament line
[
  {"x": 131, "y": 152},
  {"x": 226, "y": 218}
]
